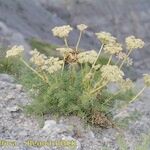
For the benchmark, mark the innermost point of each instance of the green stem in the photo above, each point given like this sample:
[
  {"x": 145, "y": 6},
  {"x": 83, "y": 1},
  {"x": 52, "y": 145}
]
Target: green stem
[
  {"x": 63, "y": 65},
  {"x": 66, "y": 43},
  {"x": 101, "y": 48},
  {"x": 97, "y": 89},
  {"x": 98, "y": 54},
  {"x": 107, "y": 100},
  {"x": 138, "y": 94},
  {"x": 110, "y": 58},
  {"x": 26, "y": 64},
  {"x": 78, "y": 42},
  {"x": 125, "y": 59},
  {"x": 38, "y": 74},
  {"x": 133, "y": 99}
]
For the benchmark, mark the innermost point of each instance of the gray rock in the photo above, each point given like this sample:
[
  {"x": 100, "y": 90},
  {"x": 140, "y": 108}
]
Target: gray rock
[
  {"x": 13, "y": 109},
  {"x": 7, "y": 78},
  {"x": 53, "y": 128},
  {"x": 19, "y": 87},
  {"x": 49, "y": 125}
]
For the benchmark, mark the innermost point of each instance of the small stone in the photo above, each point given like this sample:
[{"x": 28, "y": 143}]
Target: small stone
[
  {"x": 10, "y": 97},
  {"x": 13, "y": 109},
  {"x": 49, "y": 125},
  {"x": 91, "y": 134},
  {"x": 19, "y": 87},
  {"x": 122, "y": 114}
]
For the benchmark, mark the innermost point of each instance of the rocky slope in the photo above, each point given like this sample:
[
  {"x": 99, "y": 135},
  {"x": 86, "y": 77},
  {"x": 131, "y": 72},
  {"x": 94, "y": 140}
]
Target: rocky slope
[
  {"x": 21, "y": 20},
  {"x": 19, "y": 128}
]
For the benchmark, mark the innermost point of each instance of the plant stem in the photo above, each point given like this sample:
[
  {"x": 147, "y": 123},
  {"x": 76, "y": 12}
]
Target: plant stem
[
  {"x": 110, "y": 58},
  {"x": 117, "y": 62},
  {"x": 138, "y": 94},
  {"x": 78, "y": 42},
  {"x": 101, "y": 48},
  {"x": 63, "y": 65},
  {"x": 97, "y": 89},
  {"x": 25, "y": 63},
  {"x": 107, "y": 100},
  {"x": 133, "y": 99},
  {"x": 66, "y": 43},
  {"x": 99, "y": 82},
  {"x": 39, "y": 75},
  {"x": 125, "y": 59},
  {"x": 98, "y": 54}
]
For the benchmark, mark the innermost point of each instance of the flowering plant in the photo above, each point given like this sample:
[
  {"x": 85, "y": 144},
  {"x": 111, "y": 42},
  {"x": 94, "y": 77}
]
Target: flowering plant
[{"x": 76, "y": 83}]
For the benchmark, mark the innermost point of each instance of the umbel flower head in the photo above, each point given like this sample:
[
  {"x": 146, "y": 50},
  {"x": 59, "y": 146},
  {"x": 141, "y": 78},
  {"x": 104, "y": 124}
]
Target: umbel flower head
[
  {"x": 111, "y": 73},
  {"x": 147, "y": 80},
  {"x": 15, "y": 51},
  {"x": 126, "y": 84},
  {"x": 37, "y": 58},
  {"x": 121, "y": 55},
  {"x": 96, "y": 67},
  {"x": 64, "y": 50},
  {"x": 113, "y": 48},
  {"x": 82, "y": 27},
  {"x": 62, "y": 31},
  {"x": 105, "y": 37},
  {"x": 53, "y": 64},
  {"x": 88, "y": 77},
  {"x": 87, "y": 57},
  {"x": 133, "y": 43}
]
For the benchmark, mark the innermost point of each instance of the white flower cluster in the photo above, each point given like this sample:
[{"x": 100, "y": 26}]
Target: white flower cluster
[
  {"x": 123, "y": 56},
  {"x": 111, "y": 73},
  {"x": 15, "y": 51},
  {"x": 50, "y": 65},
  {"x": 53, "y": 64},
  {"x": 63, "y": 50},
  {"x": 37, "y": 58},
  {"x": 62, "y": 31},
  {"x": 105, "y": 37},
  {"x": 147, "y": 80},
  {"x": 133, "y": 43},
  {"x": 87, "y": 57},
  {"x": 96, "y": 67},
  {"x": 126, "y": 84},
  {"x": 113, "y": 48},
  {"x": 82, "y": 27}
]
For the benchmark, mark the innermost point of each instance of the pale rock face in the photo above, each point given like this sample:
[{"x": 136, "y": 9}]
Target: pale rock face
[
  {"x": 10, "y": 37},
  {"x": 49, "y": 125}
]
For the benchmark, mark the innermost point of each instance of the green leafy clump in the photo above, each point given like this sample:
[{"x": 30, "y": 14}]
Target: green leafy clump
[
  {"x": 67, "y": 95},
  {"x": 43, "y": 47},
  {"x": 76, "y": 81},
  {"x": 9, "y": 65}
]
